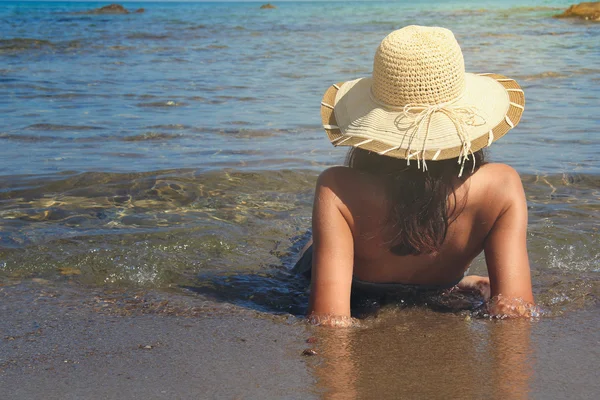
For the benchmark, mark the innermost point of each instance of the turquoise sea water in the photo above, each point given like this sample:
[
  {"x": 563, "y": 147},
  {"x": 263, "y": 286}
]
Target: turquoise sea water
[{"x": 152, "y": 149}]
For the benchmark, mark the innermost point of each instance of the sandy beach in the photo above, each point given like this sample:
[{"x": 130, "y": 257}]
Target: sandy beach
[{"x": 58, "y": 344}]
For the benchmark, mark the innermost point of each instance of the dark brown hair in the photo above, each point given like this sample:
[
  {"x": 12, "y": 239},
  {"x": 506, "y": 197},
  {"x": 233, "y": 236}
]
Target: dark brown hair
[{"x": 419, "y": 215}]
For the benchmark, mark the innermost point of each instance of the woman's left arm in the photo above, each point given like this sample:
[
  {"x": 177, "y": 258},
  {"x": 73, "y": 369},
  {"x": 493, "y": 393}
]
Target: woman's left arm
[{"x": 333, "y": 257}]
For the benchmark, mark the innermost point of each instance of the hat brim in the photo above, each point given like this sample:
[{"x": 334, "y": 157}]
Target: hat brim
[{"x": 352, "y": 118}]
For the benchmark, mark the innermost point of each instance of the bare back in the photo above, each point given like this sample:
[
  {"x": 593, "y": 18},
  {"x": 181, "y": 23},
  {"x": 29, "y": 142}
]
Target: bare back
[{"x": 352, "y": 236}]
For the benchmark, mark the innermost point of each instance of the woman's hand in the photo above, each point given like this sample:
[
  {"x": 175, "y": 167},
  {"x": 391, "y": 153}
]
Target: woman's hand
[
  {"x": 512, "y": 307},
  {"x": 476, "y": 283},
  {"x": 331, "y": 321},
  {"x": 499, "y": 306}
]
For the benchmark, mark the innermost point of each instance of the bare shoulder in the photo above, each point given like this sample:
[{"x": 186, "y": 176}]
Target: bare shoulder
[
  {"x": 356, "y": 193},
  {"x": 337, "y": 175},
  {"x": 500, "y": 182},
  {"x": 499, "y": 173},
  {"x": 332, "y": 174},
  {"x": 346, "y": 181}
]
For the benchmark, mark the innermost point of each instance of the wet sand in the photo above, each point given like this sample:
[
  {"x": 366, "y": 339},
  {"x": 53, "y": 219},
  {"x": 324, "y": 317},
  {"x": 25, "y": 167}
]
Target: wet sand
[
  {"x": 56, "y": 343},
  {"x": 62, "y": 341},
  {"x": 428, "y": 355}
]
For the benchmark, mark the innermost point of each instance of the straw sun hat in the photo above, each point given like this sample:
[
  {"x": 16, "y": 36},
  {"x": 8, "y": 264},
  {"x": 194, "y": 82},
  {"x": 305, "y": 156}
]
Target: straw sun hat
[{"x": 419, "y": 103}]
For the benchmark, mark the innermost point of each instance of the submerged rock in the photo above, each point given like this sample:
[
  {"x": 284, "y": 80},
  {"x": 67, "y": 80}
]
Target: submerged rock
[
  {"x": 113, "y": 9},
  {"x": 267, "y": 6},
  {"x": 588, "y": 11},
  {"x": 110, "y": 9}
]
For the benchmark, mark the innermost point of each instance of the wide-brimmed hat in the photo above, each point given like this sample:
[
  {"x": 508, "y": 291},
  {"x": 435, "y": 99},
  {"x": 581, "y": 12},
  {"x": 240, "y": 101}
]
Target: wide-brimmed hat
[{"x": 420, "y": 104}]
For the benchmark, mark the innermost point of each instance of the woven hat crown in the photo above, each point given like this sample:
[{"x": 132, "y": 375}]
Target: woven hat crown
[{"x": 418, "y": 65}]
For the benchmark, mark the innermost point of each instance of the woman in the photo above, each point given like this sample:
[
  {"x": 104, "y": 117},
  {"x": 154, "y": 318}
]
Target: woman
[{"x": 416, "y": 203}]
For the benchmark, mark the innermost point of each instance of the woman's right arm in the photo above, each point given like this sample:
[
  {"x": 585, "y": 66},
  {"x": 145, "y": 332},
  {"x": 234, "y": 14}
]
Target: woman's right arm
[
  {"x": 333, "y": 256},
  {"x": 506, "y": 248}
]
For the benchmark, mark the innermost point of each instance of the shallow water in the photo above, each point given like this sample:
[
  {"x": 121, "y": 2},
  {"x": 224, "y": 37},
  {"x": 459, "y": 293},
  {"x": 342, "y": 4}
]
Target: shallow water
[
  {"x": 234, "y": 235},
  {"x": 178, "y": 149}
]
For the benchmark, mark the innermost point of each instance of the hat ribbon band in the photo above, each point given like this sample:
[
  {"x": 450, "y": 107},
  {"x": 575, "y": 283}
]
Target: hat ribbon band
[{"x": 462, "y": 116}]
